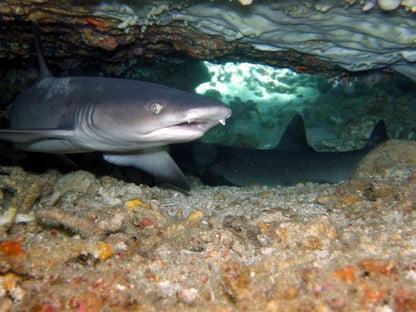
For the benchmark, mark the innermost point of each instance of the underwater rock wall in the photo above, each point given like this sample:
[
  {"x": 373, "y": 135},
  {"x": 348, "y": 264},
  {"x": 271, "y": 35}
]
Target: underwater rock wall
[
  {"x": 354, "y": 44},
  {"x": 345, "y": 36},
  {"x": 344, "y": 41},
  {"x": 309, "y": 37}
]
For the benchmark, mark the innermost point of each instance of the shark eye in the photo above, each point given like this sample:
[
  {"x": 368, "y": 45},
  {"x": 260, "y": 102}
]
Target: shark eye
[{"x": 156, "y": 108}]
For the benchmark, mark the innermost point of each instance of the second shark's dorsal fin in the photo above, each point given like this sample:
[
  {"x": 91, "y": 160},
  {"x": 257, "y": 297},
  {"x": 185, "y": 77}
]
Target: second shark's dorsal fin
[
  {"x": 294, "y": 137},
  {"x": 378, "y": 135},
  {"x": 43, "y": 69}
]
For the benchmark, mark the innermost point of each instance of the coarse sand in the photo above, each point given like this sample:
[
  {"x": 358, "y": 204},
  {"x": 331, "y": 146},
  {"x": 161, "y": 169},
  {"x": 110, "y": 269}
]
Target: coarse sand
[{"x": 78, "y": 242}]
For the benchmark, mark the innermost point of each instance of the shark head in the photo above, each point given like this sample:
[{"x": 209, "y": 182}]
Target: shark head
[{"x": 156, "y": 116}]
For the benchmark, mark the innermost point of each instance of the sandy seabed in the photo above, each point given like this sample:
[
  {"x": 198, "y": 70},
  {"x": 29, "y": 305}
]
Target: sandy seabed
[{"x": 76, "y": 242}]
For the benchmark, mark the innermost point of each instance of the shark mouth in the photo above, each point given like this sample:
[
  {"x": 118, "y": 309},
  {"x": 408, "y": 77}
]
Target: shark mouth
[
  {"x": 194, "y": 125},
  {"x": 197, "y": 125},
  {"x": 221, "y": 121},
  {"x": 205, "y": 119}
]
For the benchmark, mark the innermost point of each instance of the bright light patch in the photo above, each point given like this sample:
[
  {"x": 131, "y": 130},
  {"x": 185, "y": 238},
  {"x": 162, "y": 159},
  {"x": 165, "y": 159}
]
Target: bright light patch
[
  {"x": 253, "y": 82},
  {"x": 263, "y": 100}
]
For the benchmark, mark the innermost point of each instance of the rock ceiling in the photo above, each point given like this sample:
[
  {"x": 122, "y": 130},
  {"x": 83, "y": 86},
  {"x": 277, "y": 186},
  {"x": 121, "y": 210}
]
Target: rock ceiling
[{"x": 321, "y": 37}]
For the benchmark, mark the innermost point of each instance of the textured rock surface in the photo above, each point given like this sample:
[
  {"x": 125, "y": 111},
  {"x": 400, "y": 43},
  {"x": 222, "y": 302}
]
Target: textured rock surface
[
  {"x": 324, "y": 36},
  {"x": 92, "y": 29},
  {"x": 98, "y": 243},
  {"x": 344, "y": 36},
  {"x": 93, "y": 243}
]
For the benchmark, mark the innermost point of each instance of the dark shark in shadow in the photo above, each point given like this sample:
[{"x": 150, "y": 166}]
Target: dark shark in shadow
[{"x": 292, "y": 161}]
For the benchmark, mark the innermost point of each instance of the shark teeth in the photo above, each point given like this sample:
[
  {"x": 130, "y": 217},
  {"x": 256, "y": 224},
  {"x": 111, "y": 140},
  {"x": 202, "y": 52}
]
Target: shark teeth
[
  {"x": 190, "y": 121},
  {"x": 222, "y": 121}
]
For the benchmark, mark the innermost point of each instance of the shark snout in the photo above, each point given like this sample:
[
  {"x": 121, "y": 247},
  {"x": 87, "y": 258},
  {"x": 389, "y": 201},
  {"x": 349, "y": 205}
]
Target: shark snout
[{"x": 212, "y": 115}]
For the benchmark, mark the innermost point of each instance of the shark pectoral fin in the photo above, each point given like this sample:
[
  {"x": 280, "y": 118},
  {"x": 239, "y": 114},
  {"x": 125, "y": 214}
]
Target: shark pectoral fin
[
  {"x": 156, "y": 162},
  {"x": 31, "y": 135}
]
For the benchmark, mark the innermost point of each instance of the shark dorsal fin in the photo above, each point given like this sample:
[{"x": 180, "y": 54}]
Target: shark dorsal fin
[
  {"x": 43, "y": 69},
  {"x": 294, "y": 137},
  {"x": 378, "y": 135}
]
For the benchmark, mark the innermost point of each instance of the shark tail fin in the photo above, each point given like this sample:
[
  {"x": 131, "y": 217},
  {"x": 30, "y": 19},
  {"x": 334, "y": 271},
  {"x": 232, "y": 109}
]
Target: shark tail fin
[
  {"x": 43, "y": 69},
  {"x": 378, "y": 135}
]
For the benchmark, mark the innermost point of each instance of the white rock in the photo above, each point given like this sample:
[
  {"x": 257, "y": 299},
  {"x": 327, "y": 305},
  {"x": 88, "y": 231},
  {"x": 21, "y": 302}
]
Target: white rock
[{"x": 388, "y": 5}]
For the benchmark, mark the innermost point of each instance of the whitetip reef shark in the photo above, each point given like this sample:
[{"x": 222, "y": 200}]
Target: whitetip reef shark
[
  {"x": 293, "y": 161},
  {"x": 130, "y": 121}
]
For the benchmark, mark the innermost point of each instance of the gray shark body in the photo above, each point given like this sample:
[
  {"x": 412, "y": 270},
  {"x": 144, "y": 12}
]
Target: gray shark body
[
  {"x": 292, "y": 161},
  {"x": 129, "y": 121}
]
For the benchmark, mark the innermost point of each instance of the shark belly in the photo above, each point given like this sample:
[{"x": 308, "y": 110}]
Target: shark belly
[{"x": 53, "y": 146}]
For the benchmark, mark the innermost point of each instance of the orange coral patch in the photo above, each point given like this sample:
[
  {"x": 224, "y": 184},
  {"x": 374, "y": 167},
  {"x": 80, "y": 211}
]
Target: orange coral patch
[
  {"x": 11, "y": 248},
  {"x": 95, "y": 22},
  {"x": 346, "y": 274},
  {"x": 378, "y": 267}
]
